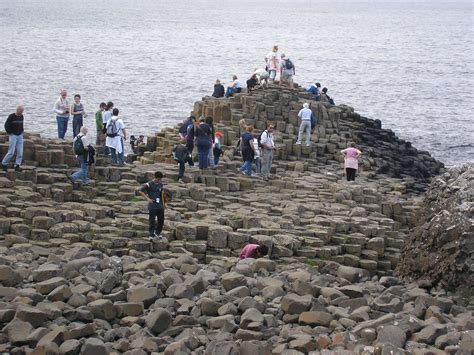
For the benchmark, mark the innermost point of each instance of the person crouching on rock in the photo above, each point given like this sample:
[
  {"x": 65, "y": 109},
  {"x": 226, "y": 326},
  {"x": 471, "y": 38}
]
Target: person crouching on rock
[
  {"x": 252, "y": 82},
  {"x": 154, "y": 193},
  {"x": 351, "y": 156},
  {"x": 253, "y": 251}
]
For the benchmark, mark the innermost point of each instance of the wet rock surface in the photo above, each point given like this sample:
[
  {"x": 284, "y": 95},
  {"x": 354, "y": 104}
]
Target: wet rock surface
[{"x": 78, "y": 274}]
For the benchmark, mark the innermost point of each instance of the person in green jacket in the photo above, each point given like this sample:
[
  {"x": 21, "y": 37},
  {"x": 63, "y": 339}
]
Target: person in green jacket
[{"x": 100, "y": 140}]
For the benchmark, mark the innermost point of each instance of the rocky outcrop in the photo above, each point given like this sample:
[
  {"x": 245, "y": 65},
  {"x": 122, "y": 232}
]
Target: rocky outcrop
[
  {"x": 79, "y": 275},
  {"x": 440, "y": 250}
]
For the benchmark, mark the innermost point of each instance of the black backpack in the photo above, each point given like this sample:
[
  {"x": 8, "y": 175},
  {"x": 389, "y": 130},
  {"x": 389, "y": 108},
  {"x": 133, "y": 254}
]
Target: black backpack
[
  {"x": 78, "y": 146},
  {"x": 259, "y": 139},
  {"x": 289, "y": 64},
  {"x": 112, "y": 130}
]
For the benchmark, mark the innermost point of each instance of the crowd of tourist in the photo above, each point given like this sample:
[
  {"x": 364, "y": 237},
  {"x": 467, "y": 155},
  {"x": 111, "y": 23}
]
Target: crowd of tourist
[{"x": 256, "y": 151}]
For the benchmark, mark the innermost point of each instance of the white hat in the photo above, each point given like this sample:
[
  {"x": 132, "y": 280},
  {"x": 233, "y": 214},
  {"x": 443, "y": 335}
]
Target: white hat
[{"x": 305, "y": 105}]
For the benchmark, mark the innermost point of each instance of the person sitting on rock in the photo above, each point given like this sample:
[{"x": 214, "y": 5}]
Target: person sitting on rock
[
  {"x": 252, "y": 83},
  {"x": 254, "y": 251},
  {"x": 234, "y": 87},
  {"x": 315, "y": 90},
  {"x": 351, "y": 156},
  {"x": 219, "y": 90},
  {"x": 325, "y": 97},
  {"x": 154, "y": 193}
]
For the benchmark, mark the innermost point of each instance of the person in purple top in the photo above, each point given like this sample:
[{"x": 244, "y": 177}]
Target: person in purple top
[
  {"x": 351, "y": 156},
  {"x": 253, "y": 251}
]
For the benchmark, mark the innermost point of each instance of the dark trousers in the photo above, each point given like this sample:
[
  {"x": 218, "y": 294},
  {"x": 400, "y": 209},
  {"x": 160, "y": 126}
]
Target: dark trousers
[
  {"x": 153, "y": 214},
  {"x": 351, "y": 174},
  {"x": 190, "y": 148},
  {"x": 182, "y": 165},
  {"x": 77, "y": 123}
]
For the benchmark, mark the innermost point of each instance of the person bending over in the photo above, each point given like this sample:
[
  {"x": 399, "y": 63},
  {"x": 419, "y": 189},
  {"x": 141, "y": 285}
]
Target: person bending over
[{"x": 253, "y": 251}]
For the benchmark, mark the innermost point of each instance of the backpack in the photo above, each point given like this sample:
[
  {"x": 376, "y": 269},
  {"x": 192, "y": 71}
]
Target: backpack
[
  {"x": 259, "y": 139},
  {"x": 112, "y": 130},
  {"x": 78, "y": 146},
  {"x": 289, "y": 64}
]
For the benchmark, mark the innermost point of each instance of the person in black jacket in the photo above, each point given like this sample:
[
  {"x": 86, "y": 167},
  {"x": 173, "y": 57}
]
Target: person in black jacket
[
  {"x": 218, "y": 89},
  {"x": 14, "y": 127},
  {"x": 154, "y": 193},
  {"x": 181, "y": 155}
]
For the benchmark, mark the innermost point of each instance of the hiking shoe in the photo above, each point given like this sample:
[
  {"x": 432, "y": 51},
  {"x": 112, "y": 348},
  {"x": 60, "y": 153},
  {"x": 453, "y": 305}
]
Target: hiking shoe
[
  {"x": 157, "y": 236},
  {"x": 17, "y": 168},
  {"x": 4, "y": 168},
  {"x": 298, "y": 143}
]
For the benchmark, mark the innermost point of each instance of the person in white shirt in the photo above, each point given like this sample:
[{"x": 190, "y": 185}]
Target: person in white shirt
[
  {"x": 61, "y": 108},
  {"x": 305, "y": 126},
  {"x": 273, "y": 63},
  {"x": 256, "y": 156},
  {"x": 116, "y": 135},
  {"x": 234, "y": 87},
  {"x": 106, "y": 115},
  {"x": 267, "y": 146},
  {"x": 82, "y": 157}
]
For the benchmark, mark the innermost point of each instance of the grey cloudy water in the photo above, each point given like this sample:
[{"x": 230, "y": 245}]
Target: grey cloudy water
[{"x": 409, "y": 65}]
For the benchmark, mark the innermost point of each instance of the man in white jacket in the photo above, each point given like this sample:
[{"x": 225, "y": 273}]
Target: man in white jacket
[{"x": 116, "y": 135}]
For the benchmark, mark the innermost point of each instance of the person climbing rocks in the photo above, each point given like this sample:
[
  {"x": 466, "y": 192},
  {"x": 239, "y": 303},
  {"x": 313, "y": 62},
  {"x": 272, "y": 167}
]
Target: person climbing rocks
[
  {"x": 181, "y": 155},
  {"x": 325, "y": 97},
  {"x": 305, "y": 126},
  {"x": 186, "y": 134},
  {"x": 287, "y": 70},
  {"x": 254, "y": 251},
  {"x": 315, "y": 90}
]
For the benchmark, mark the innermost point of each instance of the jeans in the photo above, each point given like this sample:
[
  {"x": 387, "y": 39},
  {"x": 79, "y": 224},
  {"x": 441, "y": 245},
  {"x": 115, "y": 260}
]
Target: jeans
[
  {"x": 203, "y": 155},
  {"x": 62, "y": 126},
  {"x": 305, "y": 127},
  {"x": 15, "y": 144},
  {"x": 153, "y": 214},
  {"x": 229, "y": 92},
  {"x": 76, "y": 125},
  {"x": 182, "y": 165},
  {"x": 273, "y": 74},
  {"x": 83, "y": 172},
  {"x": 117, "y": 158},
  {"x": 257, "y": 166},
  {"x": 212, "y": 161},
  {"x": 190, "y": 148},
  {"x": 247, "y": 167},
  {"x": 267, "y": 158},
  {"x": 351, "y": 174}
]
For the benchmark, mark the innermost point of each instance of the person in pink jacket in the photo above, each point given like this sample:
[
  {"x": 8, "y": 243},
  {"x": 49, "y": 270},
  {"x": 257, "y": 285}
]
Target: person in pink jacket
[
  {"x": 253, "y": 251},
  {"x": 351, "y": 156}
]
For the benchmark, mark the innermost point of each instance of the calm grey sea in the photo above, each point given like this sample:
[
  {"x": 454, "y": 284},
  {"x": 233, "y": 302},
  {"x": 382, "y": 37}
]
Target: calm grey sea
[{"x": 407, "y": 64}]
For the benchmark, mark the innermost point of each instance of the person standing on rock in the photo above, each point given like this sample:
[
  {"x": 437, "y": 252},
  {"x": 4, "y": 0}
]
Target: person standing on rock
[
  {"x": 273, "y": 63},
  {"x": 305, "y": 126},
  {"x": 203, "y": 133},
  {"x": 253, "y": 251},
  {"x": 351, "y": 156},
  {"x": 154, "y": 193},
  {"x": 287, "y": 70},
  {"x": 116, "y": 135},
  {"x": 78, "y": 115},
  {"x": 81, "y": 149},
  {"x": 62, "y": 107},
  {"x": 248, "y": 151},
  {"x": 106, "y": 115},
  {"x": 267, "y": 148},
  {"x": 99, "y": 125},
  {"x": 210, "y": 123},
  {"x": 14, "y": 127},
  {"x": 186, "y": 134},
  {"x": 181, "y": 155}
]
